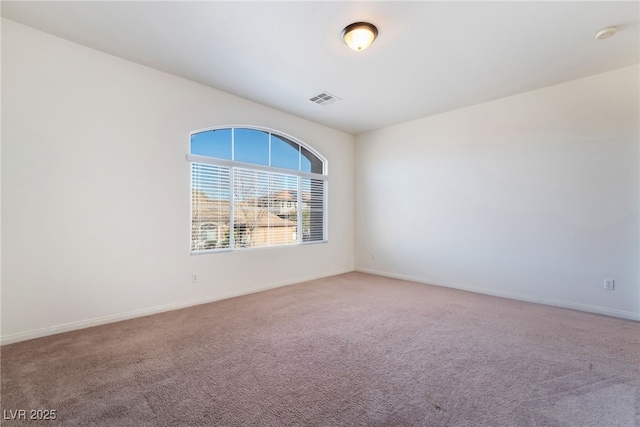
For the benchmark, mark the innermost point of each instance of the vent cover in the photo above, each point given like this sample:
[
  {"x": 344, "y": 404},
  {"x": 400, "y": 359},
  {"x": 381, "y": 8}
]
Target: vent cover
[{"x": 324, "y": 98}]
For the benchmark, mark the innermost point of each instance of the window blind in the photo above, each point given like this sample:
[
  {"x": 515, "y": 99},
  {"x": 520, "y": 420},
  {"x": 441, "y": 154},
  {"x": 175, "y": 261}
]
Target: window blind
[{"x": 210, "y": 207}]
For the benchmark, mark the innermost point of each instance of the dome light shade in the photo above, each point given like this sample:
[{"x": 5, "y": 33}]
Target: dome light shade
[
  {"x": 359, "y": 35},
  {"x": 606, "y": 33}
]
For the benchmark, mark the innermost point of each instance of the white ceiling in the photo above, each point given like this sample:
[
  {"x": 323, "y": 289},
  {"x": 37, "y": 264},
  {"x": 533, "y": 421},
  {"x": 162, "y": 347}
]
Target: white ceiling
[{"x": 429, "y": 57}]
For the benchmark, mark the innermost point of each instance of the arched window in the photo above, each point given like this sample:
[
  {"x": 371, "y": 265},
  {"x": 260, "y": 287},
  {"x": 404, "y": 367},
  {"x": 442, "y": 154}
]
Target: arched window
[{"x": 251, "y": 187}]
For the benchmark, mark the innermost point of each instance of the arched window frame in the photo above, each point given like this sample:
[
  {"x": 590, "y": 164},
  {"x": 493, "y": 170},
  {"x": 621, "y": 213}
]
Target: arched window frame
[{"x": 314, "y": 183}]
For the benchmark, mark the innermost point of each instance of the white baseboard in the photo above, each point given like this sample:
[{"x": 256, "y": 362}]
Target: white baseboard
[
  {"x": 510, "y": 295},
  {"x": 66, "y": 327}
]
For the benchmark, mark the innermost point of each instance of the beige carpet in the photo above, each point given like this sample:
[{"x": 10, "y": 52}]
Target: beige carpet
[{"x": 350, "y": 350}]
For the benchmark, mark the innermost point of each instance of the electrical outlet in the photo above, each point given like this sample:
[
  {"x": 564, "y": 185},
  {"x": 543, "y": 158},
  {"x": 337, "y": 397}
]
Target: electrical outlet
[
  {"x": 373, "y": 256},
  {"x": 609, "y": 284},
  {"x": 194, "y": 277}
]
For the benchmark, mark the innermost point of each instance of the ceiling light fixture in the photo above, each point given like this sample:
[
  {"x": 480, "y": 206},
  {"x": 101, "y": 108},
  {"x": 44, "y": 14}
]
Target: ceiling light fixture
[
  {"x": 359, "y": 35},
  {"x": 606, "y": 33}
]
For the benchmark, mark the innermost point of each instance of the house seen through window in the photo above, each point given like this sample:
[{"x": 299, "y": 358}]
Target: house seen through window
[{"x": 253, "y": 188}]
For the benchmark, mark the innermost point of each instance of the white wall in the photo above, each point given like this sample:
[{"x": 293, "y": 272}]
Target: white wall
[
  {"x": 95, "y": 190},
  {"x": 534, "y": 196}
]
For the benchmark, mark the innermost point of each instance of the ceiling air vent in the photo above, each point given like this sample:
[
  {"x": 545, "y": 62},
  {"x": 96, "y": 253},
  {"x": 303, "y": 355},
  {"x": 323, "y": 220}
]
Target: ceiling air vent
[{"x": 324, "y": 98}]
